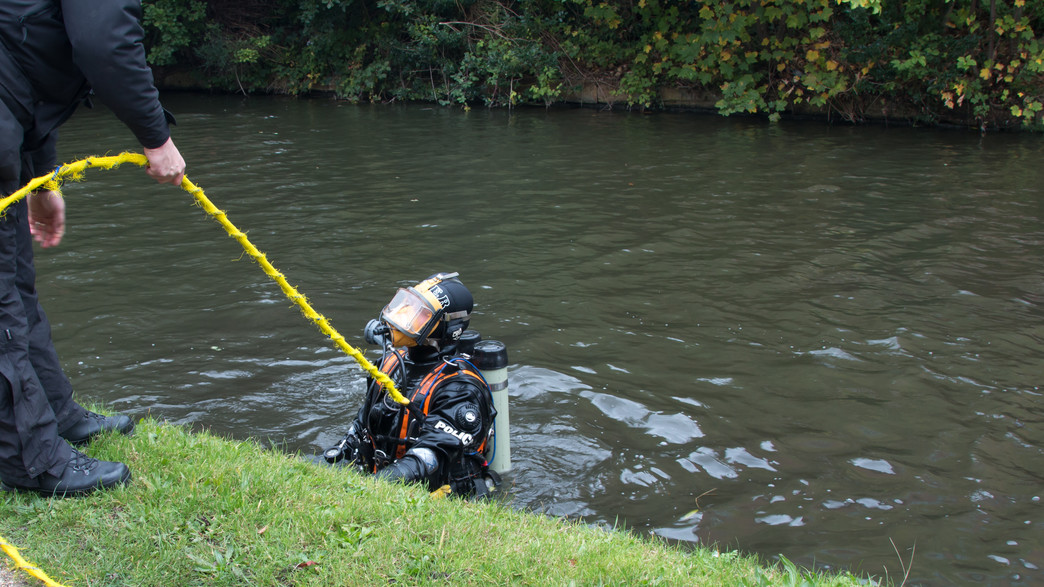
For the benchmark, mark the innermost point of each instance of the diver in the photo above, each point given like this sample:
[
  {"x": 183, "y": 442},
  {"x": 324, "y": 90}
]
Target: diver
[{"x": 443, "y": 435}]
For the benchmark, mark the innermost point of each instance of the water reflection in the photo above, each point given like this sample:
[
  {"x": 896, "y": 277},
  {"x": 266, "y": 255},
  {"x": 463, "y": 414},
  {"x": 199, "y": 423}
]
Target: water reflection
[{"x": 788, "y": 339}]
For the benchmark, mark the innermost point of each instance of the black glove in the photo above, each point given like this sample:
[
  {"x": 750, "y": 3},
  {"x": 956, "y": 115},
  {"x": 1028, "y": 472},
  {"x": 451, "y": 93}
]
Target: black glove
[{"x": 408, "y": 469}]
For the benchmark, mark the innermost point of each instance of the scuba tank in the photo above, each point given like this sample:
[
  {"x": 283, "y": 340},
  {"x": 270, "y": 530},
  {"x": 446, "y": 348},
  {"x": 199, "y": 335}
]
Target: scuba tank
[{"x": 490, "y": 356}]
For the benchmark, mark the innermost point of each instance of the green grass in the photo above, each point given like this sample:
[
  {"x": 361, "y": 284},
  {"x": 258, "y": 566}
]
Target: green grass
[{"x": 202, "y": 510}]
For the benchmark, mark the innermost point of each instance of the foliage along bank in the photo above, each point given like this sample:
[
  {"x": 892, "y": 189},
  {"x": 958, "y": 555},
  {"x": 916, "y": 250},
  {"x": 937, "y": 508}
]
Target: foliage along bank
[{"x": 975, "y": 62}]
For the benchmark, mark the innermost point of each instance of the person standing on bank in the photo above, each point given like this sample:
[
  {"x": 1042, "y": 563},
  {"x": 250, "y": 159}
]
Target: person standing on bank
[{"x": 53, "y": 53}]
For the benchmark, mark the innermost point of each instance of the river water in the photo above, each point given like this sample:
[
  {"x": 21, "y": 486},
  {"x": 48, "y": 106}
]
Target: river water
[{"x": 822, "y": 342}]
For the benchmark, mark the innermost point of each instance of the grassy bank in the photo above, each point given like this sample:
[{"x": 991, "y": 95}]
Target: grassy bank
[{"x": 208, "y": 511}]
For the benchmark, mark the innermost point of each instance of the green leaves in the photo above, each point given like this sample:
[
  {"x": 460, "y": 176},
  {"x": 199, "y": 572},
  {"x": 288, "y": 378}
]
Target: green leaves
[
  {"x": 173, "y": 26},
  {"x": 873, "y": 6},
  {"x": 932, "y": 59}
]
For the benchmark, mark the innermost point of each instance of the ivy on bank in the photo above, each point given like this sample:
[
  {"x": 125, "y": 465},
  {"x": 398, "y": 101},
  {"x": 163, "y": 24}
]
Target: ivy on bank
[{"x": 976, "y": 60}]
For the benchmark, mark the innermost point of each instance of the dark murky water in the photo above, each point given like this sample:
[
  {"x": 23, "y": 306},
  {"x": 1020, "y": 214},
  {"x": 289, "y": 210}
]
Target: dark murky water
[{"x": 832, "y": 337}]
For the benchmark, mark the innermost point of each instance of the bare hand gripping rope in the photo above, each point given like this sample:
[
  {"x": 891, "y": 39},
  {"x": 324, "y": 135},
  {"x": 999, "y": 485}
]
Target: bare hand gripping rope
[{"x": 75, "y": 171}]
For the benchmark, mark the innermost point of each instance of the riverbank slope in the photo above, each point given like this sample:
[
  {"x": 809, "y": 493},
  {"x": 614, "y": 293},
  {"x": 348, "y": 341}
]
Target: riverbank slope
[{"x": 206, "y": 510}]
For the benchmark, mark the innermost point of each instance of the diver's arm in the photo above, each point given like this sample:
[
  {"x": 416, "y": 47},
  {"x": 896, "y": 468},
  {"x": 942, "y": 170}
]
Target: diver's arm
[
  {"x": 348, "y": 448},
  {"x": 454, "y": 424},
  {"x": 418, "y": 464}
]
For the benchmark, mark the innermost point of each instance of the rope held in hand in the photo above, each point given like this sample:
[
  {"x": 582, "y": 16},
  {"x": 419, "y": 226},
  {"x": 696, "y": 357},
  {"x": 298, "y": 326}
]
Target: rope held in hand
[{"x": 74, "y": 171}]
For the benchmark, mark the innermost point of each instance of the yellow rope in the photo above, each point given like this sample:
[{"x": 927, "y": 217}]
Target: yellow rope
[
  {"x": 75, "y": 171},
  {"x": 21, "y": 563}
]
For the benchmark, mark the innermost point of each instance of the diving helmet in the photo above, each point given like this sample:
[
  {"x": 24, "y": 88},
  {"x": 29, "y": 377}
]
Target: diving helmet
[{"x": 434, "y": 312}]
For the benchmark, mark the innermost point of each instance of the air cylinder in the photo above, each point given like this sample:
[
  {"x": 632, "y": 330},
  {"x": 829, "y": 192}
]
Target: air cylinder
[{"x": 490, "y": 356}]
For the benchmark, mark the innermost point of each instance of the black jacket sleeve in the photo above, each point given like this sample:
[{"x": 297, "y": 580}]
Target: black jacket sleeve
[
  {"x": 45, "y": 157},
  {"x": 456, "y": 421},
  {"x": 106, "y": 38}
]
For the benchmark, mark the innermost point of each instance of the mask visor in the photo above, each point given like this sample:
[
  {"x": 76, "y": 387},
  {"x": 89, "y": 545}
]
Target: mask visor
[{"x": 409, "y": 313}]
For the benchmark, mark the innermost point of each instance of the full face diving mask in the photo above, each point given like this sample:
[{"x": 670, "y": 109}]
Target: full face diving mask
[{"x": 415, "y": 312}]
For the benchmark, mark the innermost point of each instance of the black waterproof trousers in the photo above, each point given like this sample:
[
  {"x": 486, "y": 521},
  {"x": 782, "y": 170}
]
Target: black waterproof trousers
[
  {"x": 49, "y": 49},
  {"x": 35, "y": 395}
]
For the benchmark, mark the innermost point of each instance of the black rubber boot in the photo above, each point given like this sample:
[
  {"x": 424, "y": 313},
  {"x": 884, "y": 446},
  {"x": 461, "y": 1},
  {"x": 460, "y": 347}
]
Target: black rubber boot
[
  {"x": 81, "y": 476},
  {"x": 93, "y": 424}
]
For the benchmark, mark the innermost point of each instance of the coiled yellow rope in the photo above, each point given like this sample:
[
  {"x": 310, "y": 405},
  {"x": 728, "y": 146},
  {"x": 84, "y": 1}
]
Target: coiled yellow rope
[
  {"x": 74, "y": 171},
  {"x": 21, "y": 563}
]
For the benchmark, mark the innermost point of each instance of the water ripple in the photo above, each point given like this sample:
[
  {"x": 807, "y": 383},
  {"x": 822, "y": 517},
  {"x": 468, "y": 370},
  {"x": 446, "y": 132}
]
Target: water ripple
[{"x": 824, "y": 339}]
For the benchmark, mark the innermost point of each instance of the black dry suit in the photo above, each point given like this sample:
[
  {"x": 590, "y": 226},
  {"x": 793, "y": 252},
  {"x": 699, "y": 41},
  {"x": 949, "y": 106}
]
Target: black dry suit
[{"x": 440, "y": 438}]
